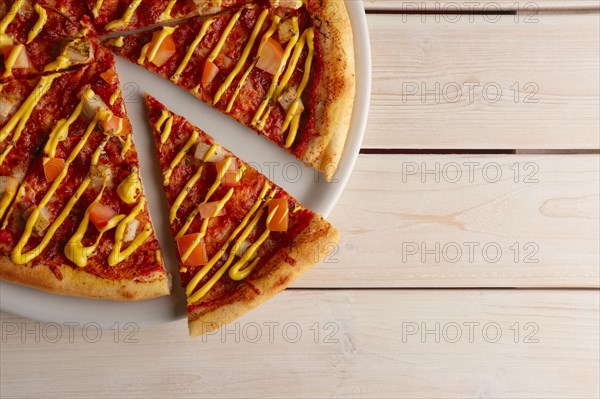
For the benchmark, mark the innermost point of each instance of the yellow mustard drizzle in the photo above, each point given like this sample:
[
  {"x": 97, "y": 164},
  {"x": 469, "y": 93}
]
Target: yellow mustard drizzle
[
  {"x": 292, "y": 114},
  {"x": 183, "y": 194},
  {"x": 12, "y": 58},
  {"x": 244, "y": 57},
  {"x": 21, "y": 258},
  {"x": 204, "y": 227},
  {"x": 236, "y": 272},
  {"x": 130, "y": 188},
  {"x": 5, "y": 40},
  {"x": 264, "y": 39},
  {"x": 61, "y": 62},
  {"x": 243, "y": 226},
  {"x": 19, "y": 120},
  {"x": 219, "y": 46},
  {"x": 178, "y": 157},
  {"x": 167, "y": 130},
  {"x": 166, "y": 14},
  {"x": 190, "y": 183},
  {"x": 75, "y": 251},
  {"x": 191, "y": 50},
  {"x": 117, "y": 41},
  {"x": 39, "y": 24},
  {"x": 10, "y": 15},
  {"x": 126, "y": 18},
  {"x": 116, "y": 256},
  {"x": 150, "y": 50},
  {"x": 96, "y": 9},
  {"x": 114, "y": 96},
  {"x": 163, "y": 117},
  {"x": 126, "y": 143},
  {"x": 257, "y": 121},
  {"x": 5, "y": 201},
  {"x": 220, "y": 173},
  {"x": 61, "y": 129}
]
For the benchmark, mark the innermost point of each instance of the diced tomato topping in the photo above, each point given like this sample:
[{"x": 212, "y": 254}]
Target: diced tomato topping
[
  {"x": 53, "y": 167},
  {"x": 198, "y": 256},
  {"x": 209, "y": 72},
  {"x": 22, "y": 60},
  {"x": 165, "y": 51},
  {"x": 113, "y": 125},
  {"x": 207, "y": 209},
  {"x": 101, "y": 214},
  {"x": 230, "y": 178},
  {"x": 109, "y": 76},
  {"x": 279, "y": 221},
  {"x": 270, "y": 56}
]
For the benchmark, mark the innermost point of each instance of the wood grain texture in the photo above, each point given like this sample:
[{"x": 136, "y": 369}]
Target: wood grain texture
[
  {"x": 370, "y": 344},
  {"x": 478, "y": 221},
  {"x": 478, "y": 84},
  {"x": 484, "y": 5}
]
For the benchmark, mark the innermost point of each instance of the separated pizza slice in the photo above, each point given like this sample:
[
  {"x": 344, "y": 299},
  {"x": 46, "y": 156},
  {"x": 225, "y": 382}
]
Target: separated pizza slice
[
  {"x": 286, "y": 72},
  {"x": 126, "y": 15},
  {"x": 241, "y": 239},
  {"x": 37, "y": 40},
  {"x": 79, "y": 223}
]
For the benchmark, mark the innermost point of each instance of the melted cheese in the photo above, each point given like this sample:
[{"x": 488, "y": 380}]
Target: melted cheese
[
  {"x": 191, "y": 50},
  {"x": 39, "y": 25},
  {"x": 130, "y": 188},
  {"x": 179, "y": 156},
  {"x": 19, "y": 120},
  {"x": 257, "y": 121},
  {"x": 12, "y": 58},
  {"x": 10, "y": 15},
  {"x": 246, "y": 226},
  {"x": 116, "y": 256},
  {"x": 244, "y": 57},
  {"x": 126, "y": 18}
]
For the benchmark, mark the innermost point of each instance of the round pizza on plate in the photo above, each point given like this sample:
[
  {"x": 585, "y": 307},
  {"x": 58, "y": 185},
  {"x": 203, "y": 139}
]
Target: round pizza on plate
[{"x": 74, "y": 218}]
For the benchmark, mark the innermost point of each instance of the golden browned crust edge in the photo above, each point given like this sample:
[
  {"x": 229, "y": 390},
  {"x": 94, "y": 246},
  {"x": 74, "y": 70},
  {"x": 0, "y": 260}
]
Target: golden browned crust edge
[
  {"x": 77, "y": 282},
  {"x": 335, "y": 96},
  {"x": 276, "y": 275}
]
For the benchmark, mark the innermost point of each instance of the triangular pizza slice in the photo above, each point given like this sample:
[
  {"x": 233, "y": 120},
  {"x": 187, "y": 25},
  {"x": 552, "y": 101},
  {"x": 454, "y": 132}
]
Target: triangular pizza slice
[
  {"x": 77, "y": 222},
  {"x": 286, "y": 71},
  {"x": 240, "y": 238}
]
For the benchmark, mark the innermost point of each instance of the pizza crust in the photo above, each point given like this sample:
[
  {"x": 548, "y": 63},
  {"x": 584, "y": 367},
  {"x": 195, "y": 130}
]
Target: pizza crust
[
  {"x": 272, "y": 278},
  {"x": 335, "y": 95},
  {"x": 77, "y": 282}
]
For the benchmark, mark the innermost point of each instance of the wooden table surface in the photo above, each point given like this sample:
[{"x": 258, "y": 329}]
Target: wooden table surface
[{"x": 469, "y": 260}]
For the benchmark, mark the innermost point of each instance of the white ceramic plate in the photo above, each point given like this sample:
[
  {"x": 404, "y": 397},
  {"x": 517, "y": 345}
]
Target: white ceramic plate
[{"x": 304, "y": 184}]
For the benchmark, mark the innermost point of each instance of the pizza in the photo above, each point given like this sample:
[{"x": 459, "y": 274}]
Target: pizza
[
  {"x": 286, "y": 72},
  {"x": 240, "y": 238},
  {"x": 35, "y": 39},
  {"x": 74, "y": 218}
]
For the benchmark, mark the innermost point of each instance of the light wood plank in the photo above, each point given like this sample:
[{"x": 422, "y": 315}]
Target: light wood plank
[
  {"x": 542, "y": 215},
  {"x": 485, "y": 5},
  {"x": 369, "y": 353},
  {"x": 557, "y": 58}
]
